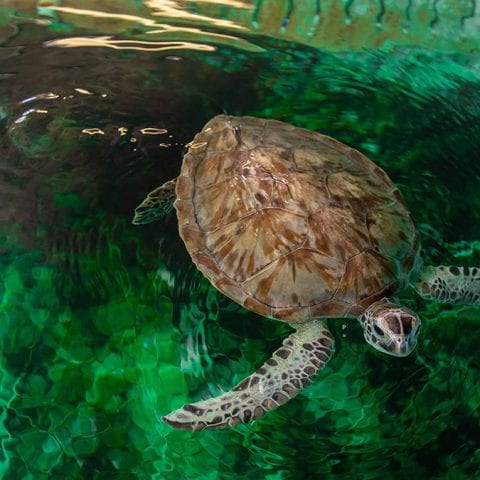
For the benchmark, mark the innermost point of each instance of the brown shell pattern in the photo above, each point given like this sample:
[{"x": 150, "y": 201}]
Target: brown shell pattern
[{"x": 290, "y": 223}]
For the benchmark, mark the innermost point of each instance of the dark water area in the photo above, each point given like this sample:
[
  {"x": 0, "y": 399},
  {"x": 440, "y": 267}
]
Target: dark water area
[{"x": 106, "y": 326}]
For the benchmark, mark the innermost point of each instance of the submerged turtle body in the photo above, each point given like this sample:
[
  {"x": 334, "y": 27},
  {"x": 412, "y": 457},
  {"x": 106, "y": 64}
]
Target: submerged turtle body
[
  {"x": 297, "y": 226},
  {"x": 290, "y": 223}
]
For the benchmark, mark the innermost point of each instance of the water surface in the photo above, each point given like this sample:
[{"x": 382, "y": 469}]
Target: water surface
[{"x": 106, "y": 326}]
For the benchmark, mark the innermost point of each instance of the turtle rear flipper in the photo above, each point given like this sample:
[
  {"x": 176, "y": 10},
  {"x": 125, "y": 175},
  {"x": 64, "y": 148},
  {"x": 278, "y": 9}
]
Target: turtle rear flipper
[
  {"x": 157, "y": 204},
  {"x": 455, "y": 285},
  {"x": 291, "y": 368}
]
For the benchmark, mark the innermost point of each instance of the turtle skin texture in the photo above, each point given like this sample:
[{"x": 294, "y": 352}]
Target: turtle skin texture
[{"x": 290, "y": 223}]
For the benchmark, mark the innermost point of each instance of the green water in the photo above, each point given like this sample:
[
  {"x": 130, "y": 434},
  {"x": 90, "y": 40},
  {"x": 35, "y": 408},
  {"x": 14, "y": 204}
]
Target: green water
[{"x": 106, "y": 326}]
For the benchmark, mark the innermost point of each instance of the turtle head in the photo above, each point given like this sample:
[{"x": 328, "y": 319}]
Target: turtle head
[{"x": 390, "y": 328}]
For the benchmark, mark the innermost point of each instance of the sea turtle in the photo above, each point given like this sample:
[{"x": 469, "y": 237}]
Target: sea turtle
[{"x": 298, "y": 227}]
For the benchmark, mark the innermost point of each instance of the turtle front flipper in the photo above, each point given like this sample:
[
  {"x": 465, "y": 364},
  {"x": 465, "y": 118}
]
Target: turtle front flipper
[
  {"x": 157, "y": 204},
  {"x": 291, "y": 368},
  {"x": 455, "y": 285}
]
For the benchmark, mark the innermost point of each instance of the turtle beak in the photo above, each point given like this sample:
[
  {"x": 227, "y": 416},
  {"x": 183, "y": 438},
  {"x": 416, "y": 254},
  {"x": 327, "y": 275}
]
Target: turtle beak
[
  {"x": 401, "y": 349},
  {"x": 402, "y": 346}
]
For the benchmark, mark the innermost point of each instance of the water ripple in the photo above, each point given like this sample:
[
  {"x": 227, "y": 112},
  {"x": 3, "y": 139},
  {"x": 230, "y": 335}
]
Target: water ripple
[{"x": 105, "y": 326}]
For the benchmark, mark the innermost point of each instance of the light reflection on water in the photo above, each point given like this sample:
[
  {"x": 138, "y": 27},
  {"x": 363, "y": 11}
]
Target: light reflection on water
[{"x": 106, "y": 326}]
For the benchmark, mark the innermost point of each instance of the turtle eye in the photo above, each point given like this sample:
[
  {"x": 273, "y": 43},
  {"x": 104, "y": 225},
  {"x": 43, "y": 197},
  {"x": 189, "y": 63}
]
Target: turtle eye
[{"x": 378, "y": 331}]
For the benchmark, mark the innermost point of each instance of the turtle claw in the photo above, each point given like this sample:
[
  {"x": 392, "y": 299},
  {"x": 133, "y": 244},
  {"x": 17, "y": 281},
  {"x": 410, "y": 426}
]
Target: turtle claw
[
  {"x": 193, "y": 418},
  {"x": 182, "y": 420}
]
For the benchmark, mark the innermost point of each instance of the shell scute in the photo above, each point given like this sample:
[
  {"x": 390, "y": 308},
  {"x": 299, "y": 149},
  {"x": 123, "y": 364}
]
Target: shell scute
[
  {"x": 257, "y": 306},
  {"x": 357, "y": 191},
  {"x": 233, "y": 290},
  {"x": 245, "y": 247},
  {"x": 319, "y": 157},
  {"x": 219, "y": 136},
  {"x": 391, "y": 233},
  {"x": 216, "y": 167},
  {"x": 223, "y": 203},
  {"x": 193, "y": 237},
  {"x": 330, "y": 308},
  {"x": 365, "y": 274},
  {"x": 318, "y": 275},
  {"x": 185, "y": 186},
  {"x": 336, "y": 232},
  {"x": 207, "y": 265}
]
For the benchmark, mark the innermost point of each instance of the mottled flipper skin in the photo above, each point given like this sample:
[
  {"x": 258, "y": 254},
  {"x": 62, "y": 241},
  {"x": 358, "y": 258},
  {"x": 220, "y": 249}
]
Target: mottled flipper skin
[
  {"x": 290, "y": 369},
  {"x": 455, "y": 285},
  {"x": 157, "y": 204}
]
